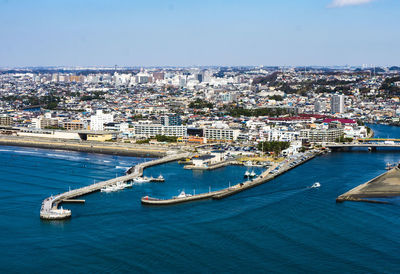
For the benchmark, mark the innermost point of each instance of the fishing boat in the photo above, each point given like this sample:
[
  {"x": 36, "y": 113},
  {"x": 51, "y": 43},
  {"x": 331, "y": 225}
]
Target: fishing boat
[
  {"x": 246, "y": 174},
  {"x": 141, "y": 180},
  {"x": 109, "y": 189},
  {"x": 182, "y": 195},
  {"x": 252, "y": 174}
]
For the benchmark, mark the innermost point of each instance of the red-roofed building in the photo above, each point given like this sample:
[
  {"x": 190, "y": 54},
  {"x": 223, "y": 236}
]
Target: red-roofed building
[
  {"x": 342, "y": 121},
  {"x": 290, "y": 120}
]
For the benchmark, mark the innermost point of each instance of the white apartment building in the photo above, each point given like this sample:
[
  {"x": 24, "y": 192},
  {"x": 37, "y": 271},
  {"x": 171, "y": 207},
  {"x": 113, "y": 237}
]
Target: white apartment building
[
  {"x": 97, "y": 121},
  {"x": 321, "y": 135},
  {"x": 355, "y": 132},
  {"x": 319, "y": 106},
  {"x": 221, "y": 134},
  {"x": 279, "y": 135},
  {"x": 151, "y": 130}
]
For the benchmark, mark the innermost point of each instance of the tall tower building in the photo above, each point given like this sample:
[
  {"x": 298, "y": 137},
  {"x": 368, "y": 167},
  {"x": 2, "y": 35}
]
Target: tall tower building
[
  {"x": 97, "y": 121},
  {"x": 337, "y": 104}
]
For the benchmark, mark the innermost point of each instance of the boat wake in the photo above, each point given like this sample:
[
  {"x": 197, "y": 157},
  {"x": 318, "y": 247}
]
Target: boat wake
[{"x": 316, "y": 185}]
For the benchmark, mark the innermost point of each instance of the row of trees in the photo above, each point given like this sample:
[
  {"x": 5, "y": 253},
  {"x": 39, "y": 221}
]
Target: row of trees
[
  {"x": 343, "y": 139},
  {"x": 274, "y": 146},
  {"x": 159, "y": 138}
]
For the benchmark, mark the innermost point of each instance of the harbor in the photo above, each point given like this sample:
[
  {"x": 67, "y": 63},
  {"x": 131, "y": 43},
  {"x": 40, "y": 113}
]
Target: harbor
[
  {"x": 50, "y": 211},
  {"x": 274, "y": 171}
]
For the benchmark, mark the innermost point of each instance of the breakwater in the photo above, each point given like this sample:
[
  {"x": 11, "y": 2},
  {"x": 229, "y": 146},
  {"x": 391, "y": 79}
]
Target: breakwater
[
  {"x": 50, "y": 211},
  {"x": 266, "y": 176},
  {"x": 385, "y": 185},
  {"x": 86, "y": 146}
]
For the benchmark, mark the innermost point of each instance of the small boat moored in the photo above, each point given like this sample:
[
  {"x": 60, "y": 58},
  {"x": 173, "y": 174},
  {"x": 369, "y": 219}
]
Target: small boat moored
[
  {"x": 182, "y": 195},
  {"x": 141, "y": 180}
]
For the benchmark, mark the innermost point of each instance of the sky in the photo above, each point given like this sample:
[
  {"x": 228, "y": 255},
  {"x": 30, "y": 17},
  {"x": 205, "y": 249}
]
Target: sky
[{"x": 199, "y": 33}]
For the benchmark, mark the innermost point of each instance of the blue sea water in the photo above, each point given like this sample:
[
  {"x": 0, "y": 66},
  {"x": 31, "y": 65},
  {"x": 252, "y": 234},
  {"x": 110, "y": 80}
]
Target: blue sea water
[{"x": 282, "y": 226}]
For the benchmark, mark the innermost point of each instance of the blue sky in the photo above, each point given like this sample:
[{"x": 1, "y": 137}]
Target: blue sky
[{"x": 207, "y": 32}]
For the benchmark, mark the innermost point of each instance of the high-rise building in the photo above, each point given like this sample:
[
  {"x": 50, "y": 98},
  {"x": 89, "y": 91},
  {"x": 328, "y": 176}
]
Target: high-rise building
[
  {"x": 97, "y": 121},
  {"x": 337, "y": 104},
  {"x": 319, "y": 106}
]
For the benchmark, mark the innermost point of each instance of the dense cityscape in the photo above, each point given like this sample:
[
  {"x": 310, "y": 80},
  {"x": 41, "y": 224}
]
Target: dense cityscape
[{"x": 246, "y": 105}]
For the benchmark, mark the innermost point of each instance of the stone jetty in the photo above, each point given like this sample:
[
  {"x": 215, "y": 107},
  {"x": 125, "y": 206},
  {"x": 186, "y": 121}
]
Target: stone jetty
[
  {"x": 385, "y": 185},
  {"x": 50, "y": 211}
]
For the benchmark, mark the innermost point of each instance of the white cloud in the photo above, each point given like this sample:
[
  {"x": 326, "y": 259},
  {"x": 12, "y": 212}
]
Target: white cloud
[{"x": 342, "y": 3}]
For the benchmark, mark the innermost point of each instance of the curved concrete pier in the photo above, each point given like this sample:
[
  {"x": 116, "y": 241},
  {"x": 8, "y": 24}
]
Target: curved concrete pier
[{"x": 50, "y": 210}]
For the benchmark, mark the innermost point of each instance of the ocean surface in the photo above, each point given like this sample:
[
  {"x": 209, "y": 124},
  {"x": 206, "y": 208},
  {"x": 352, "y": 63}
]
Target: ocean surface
[{"x": 282, "y": 226}]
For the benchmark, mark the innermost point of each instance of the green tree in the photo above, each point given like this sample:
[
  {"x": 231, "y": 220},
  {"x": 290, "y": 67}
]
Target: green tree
[{"x": 273, "y": 146}]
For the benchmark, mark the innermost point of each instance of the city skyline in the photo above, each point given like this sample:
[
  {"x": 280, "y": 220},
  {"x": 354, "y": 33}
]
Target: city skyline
[{"x": 178, "y": 33}]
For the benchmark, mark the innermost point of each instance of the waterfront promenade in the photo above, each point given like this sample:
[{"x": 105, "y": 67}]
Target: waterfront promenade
[{"x": 50, "y": 210}]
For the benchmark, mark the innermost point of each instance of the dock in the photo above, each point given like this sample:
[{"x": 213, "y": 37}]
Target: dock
[
  {"x": 74, "y": 201},
  {"x": 50, "y": 211},
  {"x": 382, "y": 186},
  {"x": 211, "y": 167},
  {"x": 221, "y": 194},
  {"x": 265, "y": 177}
]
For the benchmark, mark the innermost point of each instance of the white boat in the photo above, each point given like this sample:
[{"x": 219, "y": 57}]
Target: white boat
[
  {"x": 160, "y": 177},
  {"x": 128, "y": 184},
  {"x": 183, "y": 195},
  {"x": 141, "y": 180},
  {"x": 247, "y": 174},
  {"x": 108, "y": 189},
  {"x": 252, "y": 174},
  {"x": 316, "y": 185},
  {"x": 120, "y": 186}
]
